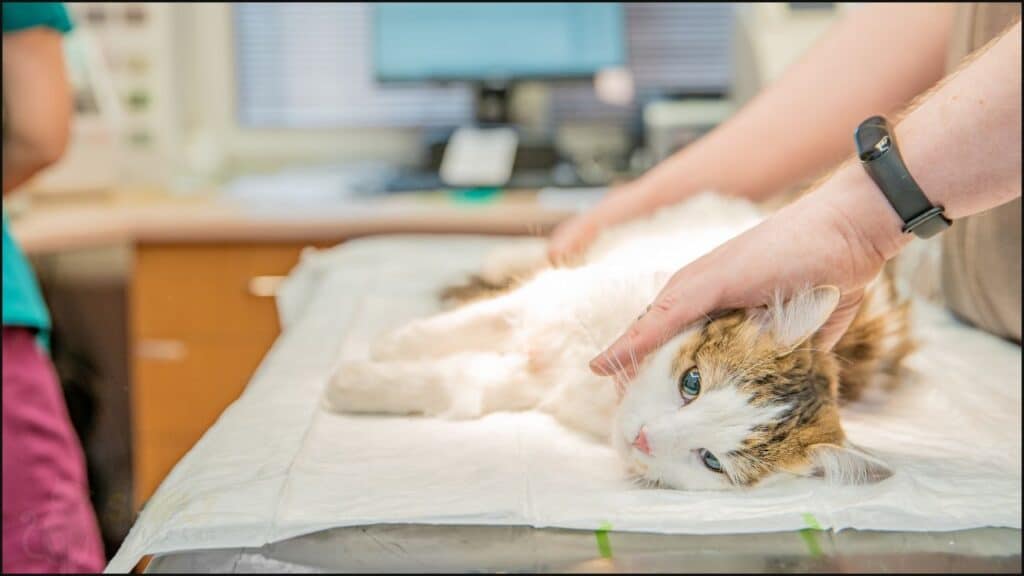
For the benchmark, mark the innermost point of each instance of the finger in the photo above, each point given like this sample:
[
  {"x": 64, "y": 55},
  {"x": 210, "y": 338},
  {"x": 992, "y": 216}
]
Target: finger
[
  {"x": 840, "y": 320},
  {"x": 683, "y": 300},
  {"x": 575, "y": 234},
  {"x": 568, "y": 239}
]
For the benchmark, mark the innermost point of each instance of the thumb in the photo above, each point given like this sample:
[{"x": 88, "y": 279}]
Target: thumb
[
  {"x": 681, "y": 302},
  {"x": 840, "y": 320}
]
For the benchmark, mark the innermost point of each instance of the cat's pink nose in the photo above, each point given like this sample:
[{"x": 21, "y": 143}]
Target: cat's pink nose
[{"x": 640, "y": 442}]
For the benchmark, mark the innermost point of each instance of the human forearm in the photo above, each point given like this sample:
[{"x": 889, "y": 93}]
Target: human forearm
[
  {"x": 872, "y": 62},
  {"x": 961, "y": 142}
]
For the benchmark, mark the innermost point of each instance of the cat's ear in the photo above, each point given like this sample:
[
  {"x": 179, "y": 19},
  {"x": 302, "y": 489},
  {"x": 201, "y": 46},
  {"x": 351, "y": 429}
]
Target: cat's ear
[
  {"x": 794, "y": 321},
  {"x": 846, "y": 464}
]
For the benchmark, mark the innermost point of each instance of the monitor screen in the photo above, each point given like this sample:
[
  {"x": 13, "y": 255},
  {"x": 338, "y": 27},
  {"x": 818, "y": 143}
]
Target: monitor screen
[{"x": 484, "y": 41}]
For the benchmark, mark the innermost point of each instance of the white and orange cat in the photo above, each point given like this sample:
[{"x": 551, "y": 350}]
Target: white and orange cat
[{"x": 733, "y": 401}]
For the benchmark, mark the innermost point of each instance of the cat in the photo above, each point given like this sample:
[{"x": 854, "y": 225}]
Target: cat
[{"x": 739, "y": 399}]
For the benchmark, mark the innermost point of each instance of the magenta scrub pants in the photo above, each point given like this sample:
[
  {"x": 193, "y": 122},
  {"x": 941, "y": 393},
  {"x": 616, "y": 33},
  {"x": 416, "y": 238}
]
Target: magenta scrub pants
[{"x": 49, "y": 523}]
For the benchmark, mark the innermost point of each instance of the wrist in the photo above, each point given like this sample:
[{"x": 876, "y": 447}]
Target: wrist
[
  {"x": 665, "y": 185},
  {"x": 862, "y": 212}
]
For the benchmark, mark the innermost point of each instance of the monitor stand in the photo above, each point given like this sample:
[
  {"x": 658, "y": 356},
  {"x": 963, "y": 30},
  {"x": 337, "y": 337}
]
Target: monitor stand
[{"x": 492, "y": 103}]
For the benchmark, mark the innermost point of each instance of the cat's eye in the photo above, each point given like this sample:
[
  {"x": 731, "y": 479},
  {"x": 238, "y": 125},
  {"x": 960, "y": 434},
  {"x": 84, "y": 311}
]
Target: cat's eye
[
  {"x": 689, "y": 384},
  {"x": 710, "y": 461}
]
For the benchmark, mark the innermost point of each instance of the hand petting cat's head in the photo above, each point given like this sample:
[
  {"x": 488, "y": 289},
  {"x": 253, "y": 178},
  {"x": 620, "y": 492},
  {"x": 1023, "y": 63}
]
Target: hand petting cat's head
[{"x": 741, "y": 400}]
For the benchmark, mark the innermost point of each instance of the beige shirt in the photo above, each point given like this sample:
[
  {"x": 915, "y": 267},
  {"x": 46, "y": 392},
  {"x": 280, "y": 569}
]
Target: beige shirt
[{"x": 981, "y": 253}]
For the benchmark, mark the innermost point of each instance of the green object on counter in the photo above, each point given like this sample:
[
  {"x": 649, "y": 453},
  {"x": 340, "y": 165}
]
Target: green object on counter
[{"x": 480, "y": 195}]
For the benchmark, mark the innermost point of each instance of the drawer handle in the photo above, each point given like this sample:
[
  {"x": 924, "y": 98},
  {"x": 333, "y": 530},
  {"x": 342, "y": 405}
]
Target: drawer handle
[
  {"x": 265, "y": 286},
  {"x": 167, "y": 350}
]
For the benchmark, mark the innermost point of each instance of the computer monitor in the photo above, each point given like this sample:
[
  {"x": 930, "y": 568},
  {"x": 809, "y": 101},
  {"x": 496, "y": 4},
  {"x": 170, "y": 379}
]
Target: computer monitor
[
  {"x": 493, "y": 46},
  {"x": 496, "y": 42}
]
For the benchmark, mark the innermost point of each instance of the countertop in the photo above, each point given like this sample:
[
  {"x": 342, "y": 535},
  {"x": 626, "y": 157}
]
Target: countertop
[{"x": 53, "y": 224}]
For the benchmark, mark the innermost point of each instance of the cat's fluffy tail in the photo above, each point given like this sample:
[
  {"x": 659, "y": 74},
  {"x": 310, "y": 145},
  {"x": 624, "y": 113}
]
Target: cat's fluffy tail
[{"x": 872, "y": 350}]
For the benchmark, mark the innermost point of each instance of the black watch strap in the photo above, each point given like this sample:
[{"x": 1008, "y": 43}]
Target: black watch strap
[{"x": 876, "y": 147}]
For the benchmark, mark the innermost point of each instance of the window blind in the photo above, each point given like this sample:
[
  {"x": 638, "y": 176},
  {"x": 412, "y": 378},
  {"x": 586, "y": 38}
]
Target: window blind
[
  {"x": 674, "y": 48},
  {"x": 309, "y": 65}
]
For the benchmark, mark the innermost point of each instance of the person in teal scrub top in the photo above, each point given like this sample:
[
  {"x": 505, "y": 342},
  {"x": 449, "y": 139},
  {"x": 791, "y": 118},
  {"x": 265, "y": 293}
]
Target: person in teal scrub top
[{"x": 48, "y": 522}]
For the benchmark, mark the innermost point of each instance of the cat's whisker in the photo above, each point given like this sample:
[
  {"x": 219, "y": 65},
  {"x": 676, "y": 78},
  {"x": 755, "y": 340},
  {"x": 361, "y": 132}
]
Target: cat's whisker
[
  {"x": 619, "y": 384},
  {"x": 632, "y": 358},
  {"x": 707, "y": 318},
  {"x": 620, "y": 370},
  {"x": 616, "y": 366},
  {"x": 642, "y": 481}
]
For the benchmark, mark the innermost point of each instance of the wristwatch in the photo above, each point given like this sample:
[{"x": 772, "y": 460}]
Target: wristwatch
[{"x": 876, "y": 147}]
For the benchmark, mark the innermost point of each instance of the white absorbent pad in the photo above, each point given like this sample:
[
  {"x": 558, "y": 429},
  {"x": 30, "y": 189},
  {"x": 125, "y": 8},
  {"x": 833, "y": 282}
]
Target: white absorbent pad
[{"x": 276, "y": 465}]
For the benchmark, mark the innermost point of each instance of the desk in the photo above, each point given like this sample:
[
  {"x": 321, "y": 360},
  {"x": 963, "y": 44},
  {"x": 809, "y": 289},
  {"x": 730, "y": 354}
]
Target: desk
[
  {"x": 147, "y": 216},
  {"x": 199, "y": 284}
]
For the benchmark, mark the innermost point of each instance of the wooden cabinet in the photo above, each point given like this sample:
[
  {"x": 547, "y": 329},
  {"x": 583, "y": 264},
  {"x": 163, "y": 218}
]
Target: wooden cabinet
[{"x": 202, "y": 317}]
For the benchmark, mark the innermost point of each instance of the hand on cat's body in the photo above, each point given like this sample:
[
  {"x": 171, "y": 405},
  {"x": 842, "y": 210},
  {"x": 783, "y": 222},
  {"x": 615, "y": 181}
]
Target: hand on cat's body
[
  {"x": 622, "y": 203},
  {"x": 840, "y": 235}
]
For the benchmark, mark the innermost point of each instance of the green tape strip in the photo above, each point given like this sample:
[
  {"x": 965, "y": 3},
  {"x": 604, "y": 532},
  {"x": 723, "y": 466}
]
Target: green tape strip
[
  {"x": 809, "y": 536},
  {"x": 811, "y": 521},
  {"x": 604, "y": 545}
]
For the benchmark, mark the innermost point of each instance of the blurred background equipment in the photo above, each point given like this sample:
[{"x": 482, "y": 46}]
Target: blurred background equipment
[
  {"x": 347, "y": 72},
  {"x": 123, "y": 59},
  {"x": 93, "y": 156},
  {"x": 670, "y": 125},
  {"x": 211, "y": 91},
  {"x": 769, "y": 36}
]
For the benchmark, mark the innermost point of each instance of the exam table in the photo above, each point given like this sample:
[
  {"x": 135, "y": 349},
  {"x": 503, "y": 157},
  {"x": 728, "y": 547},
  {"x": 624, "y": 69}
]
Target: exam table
[
  {"x": 195, "y": 522},
  {"x": 420, "y": 548}
]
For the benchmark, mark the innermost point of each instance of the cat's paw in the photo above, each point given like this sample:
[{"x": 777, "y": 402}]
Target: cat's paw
[
  {"x": 358, "y": 386},
  {"x": 400, "y": 345},
  {"x": 509, "y": 262},
  {"x": 385, "y": 348}
]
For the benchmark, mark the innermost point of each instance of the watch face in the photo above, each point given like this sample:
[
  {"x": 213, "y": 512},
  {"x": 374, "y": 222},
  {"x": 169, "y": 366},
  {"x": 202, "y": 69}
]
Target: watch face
[
  {"x": 880, "y": 147},
  {"x": 873, "y": 138}
]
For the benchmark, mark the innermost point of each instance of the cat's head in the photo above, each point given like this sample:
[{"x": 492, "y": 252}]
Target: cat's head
[{"x": 740, "y": 400}]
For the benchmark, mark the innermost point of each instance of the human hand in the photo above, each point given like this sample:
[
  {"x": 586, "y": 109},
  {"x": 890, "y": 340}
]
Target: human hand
[
  {"x": 622, "y": 203},
  {"x": 839, "y": 235}
]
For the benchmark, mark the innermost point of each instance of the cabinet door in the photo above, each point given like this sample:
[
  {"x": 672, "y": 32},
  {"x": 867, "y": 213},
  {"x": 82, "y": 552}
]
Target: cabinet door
[{"x": 202, "y": 318}]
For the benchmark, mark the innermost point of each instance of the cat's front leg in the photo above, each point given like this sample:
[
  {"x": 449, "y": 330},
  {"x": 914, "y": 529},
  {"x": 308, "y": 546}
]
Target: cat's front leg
[
  {"x": 457, "y": 387},
  {"x": 366, "y": 386},
  {"x": 478, "y": 327},
  {"x": 515, "y": 261}
]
